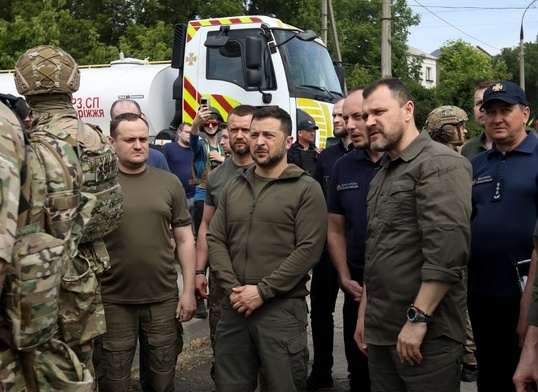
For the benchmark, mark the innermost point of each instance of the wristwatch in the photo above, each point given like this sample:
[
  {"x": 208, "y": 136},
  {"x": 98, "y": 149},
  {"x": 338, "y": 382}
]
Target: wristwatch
[{"x": 415, "y": 315}]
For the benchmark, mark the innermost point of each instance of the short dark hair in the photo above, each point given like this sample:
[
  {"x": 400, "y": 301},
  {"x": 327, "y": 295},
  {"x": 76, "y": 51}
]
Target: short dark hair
[
  {"x": 243, "y": 110},
  {"x": 130, "y": 117},
  {"x": 397, "y": 89},
  {"x": 277, "y": 113},
  {"x": 133, "y": 102}
]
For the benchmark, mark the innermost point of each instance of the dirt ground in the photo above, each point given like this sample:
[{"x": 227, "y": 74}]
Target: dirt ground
[{"x": 192, "y": 370}]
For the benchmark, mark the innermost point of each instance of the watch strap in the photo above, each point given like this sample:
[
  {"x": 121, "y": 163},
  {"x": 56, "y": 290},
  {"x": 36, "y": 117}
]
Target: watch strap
[{"x": 421, "y": 316}]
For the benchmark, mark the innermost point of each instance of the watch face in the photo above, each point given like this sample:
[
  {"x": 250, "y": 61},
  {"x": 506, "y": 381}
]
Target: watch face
[{"x": 414, "y": 315}]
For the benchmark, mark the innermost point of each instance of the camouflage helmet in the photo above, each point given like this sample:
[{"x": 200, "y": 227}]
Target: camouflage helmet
[
  {"x": 46, "y": 70},
  {"x": 441, "y": 116}
]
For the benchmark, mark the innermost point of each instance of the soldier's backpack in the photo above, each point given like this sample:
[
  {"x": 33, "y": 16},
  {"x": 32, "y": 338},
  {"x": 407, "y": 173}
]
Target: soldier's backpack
[
  {"x": 29, "y": 301},
  {"x": 81, "y": 311}
]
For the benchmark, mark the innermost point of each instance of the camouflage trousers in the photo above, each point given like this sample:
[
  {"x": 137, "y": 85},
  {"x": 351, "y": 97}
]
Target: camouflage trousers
[
  {"x": 52, "y": 366},
  {"x": 82, "y": 315},
  {"x": 215, "y": 296},
  {"x": 470, "y": 347}
]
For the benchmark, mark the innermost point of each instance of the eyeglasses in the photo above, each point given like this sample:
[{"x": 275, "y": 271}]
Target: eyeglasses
[{"x": 211, "y": 123}]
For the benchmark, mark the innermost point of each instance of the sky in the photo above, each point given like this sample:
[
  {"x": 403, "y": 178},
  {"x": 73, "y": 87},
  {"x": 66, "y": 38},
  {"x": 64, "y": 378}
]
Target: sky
[{"x": 490, "y": 24}]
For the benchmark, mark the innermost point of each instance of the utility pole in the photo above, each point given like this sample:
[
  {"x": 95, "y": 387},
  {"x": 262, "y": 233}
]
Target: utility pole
[
  {"x": 386, "y": 50},
  {"x": 324, "y": 15},
  {"x": 522, "y": 51},
  {"x": 327, "y": 16},
  {"x": 334, "y": 32}
]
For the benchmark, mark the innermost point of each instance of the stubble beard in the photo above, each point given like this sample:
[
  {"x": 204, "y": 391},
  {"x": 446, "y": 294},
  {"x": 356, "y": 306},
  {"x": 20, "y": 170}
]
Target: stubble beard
[
  {"x": 240, "y": 151},
  {"x": 341, "y": 133},
  {"x": 389, "y": 141},
  {"x": 270, "y": 161},
  {"x": 361, "y": 145}
]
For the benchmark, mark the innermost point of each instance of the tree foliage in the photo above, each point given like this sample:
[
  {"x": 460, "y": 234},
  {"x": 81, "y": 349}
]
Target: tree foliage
[
  {"x": 462, "y": 67},
  {"x": 95, "y": 31},
  {"x": 359, "y": 29},
  {"x": 510, "y": 56}
]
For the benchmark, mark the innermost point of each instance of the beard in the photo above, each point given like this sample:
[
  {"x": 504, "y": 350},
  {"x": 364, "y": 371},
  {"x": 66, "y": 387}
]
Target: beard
[
  {"x": 361, "y": 144},
  {"x": 388, "y": 141},
  {"x": 272, "y": 160},
  {"x": 240, "y": 150},
  {"x": 340, "y": 133}
]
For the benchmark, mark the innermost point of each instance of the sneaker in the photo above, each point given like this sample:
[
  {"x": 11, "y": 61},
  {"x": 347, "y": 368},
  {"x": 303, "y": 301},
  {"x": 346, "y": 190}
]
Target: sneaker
[
  {"x": 315, "y": 382},
  {"x": 469, "y": 373},
  {"x": 201, "y": 310}
]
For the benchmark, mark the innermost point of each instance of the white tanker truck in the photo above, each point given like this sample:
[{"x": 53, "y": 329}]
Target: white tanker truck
[
  {"x": 148, "y": 84},
  {"x": 256, "y": 60}
]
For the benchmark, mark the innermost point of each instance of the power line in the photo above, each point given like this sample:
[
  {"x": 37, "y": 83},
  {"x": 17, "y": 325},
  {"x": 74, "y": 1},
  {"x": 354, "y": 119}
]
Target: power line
[
  {"x": 451, "y": 25},
  {"x": 471, "y": 7}
]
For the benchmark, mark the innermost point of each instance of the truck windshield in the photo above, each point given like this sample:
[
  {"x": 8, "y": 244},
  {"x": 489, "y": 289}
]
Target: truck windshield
[{"x": 309, "y": 68}]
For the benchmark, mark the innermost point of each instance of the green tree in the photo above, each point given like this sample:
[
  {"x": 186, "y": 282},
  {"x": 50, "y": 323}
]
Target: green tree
[
  {"x": 304, "y": 14},
  {"x": 359, "y": 30},
  {"x": 510, "y": 56},
  {"x": 425, "y": 100},
  {"x": 153, "y": 43},
  {"x": 462, "y": 67},
  {"x": 221, "y": 8}
]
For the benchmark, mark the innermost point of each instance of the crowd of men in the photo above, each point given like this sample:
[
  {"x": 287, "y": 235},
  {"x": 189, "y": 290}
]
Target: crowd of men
[{"x": 413, "y": 228}]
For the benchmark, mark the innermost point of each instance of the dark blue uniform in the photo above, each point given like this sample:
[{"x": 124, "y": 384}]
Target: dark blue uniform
[
  {"x": 505, "y": 209},
  {"x": 324, "y": 285},
  {"x": 348, "y": 190}
]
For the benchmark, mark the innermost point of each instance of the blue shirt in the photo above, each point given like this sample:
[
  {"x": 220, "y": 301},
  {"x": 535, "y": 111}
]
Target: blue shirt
[
  {"x": 505, "y": 209},
  {"x": 348, "y": 189},
  {"x": 179, "y": 160},
  {"x": 157, "y": 159},
  {"x": 325, "y": 164}
]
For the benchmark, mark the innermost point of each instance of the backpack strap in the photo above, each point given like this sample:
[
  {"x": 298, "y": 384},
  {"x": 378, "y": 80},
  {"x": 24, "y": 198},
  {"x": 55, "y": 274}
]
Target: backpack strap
[
  {"x": 13, "y": 102},
  {"x": 28, "y": 370},
  {"x": 80, "y": 136}
]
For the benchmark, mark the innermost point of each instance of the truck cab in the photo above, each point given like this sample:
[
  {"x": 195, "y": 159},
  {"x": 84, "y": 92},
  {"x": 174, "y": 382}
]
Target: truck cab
[{"x": 256, "y": 60}]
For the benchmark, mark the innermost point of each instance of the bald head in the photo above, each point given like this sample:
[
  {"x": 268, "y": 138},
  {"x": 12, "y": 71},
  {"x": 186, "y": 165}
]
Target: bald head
[{"x": 124, "y": 106}]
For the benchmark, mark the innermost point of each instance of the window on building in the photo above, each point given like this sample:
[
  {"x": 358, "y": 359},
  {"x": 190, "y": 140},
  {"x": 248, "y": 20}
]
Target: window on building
[{"x": 429, "y": 74}]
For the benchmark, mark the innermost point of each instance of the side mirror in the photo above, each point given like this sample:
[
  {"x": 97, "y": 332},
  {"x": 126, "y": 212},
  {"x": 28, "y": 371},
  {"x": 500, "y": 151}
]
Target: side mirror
[
  {"x": 307, "y": 35},
  {"x": 216, "y": 42},
  {"x": 253, "y": 51},
  {"x": 340, "y": 74},
  {"x": 253, "y": 78}
]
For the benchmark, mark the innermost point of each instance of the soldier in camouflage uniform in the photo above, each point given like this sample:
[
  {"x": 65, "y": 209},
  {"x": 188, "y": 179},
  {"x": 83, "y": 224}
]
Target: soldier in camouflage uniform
[
  {"x": 12, "y": 159},
  {"x": 47, "y": 77},
  {"x": 30, "y": 358},
  {"x": 446, "y": 125}
]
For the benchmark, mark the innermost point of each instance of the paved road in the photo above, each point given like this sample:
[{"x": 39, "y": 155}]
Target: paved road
[{"x": 195, "y": 362}]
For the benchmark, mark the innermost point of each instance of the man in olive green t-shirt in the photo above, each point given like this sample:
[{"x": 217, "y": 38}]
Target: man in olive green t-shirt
[{"x": 140, "y": 291}]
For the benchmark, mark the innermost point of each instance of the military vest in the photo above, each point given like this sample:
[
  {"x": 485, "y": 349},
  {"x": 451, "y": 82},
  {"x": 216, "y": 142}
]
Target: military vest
[{"x": 30, "y": 358}]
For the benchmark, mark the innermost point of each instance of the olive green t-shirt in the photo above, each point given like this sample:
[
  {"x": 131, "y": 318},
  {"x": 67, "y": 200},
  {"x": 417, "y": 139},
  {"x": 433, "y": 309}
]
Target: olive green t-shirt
[
  {"x": 141, "y": 256},
  {"x": 218, "y": 178}
]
